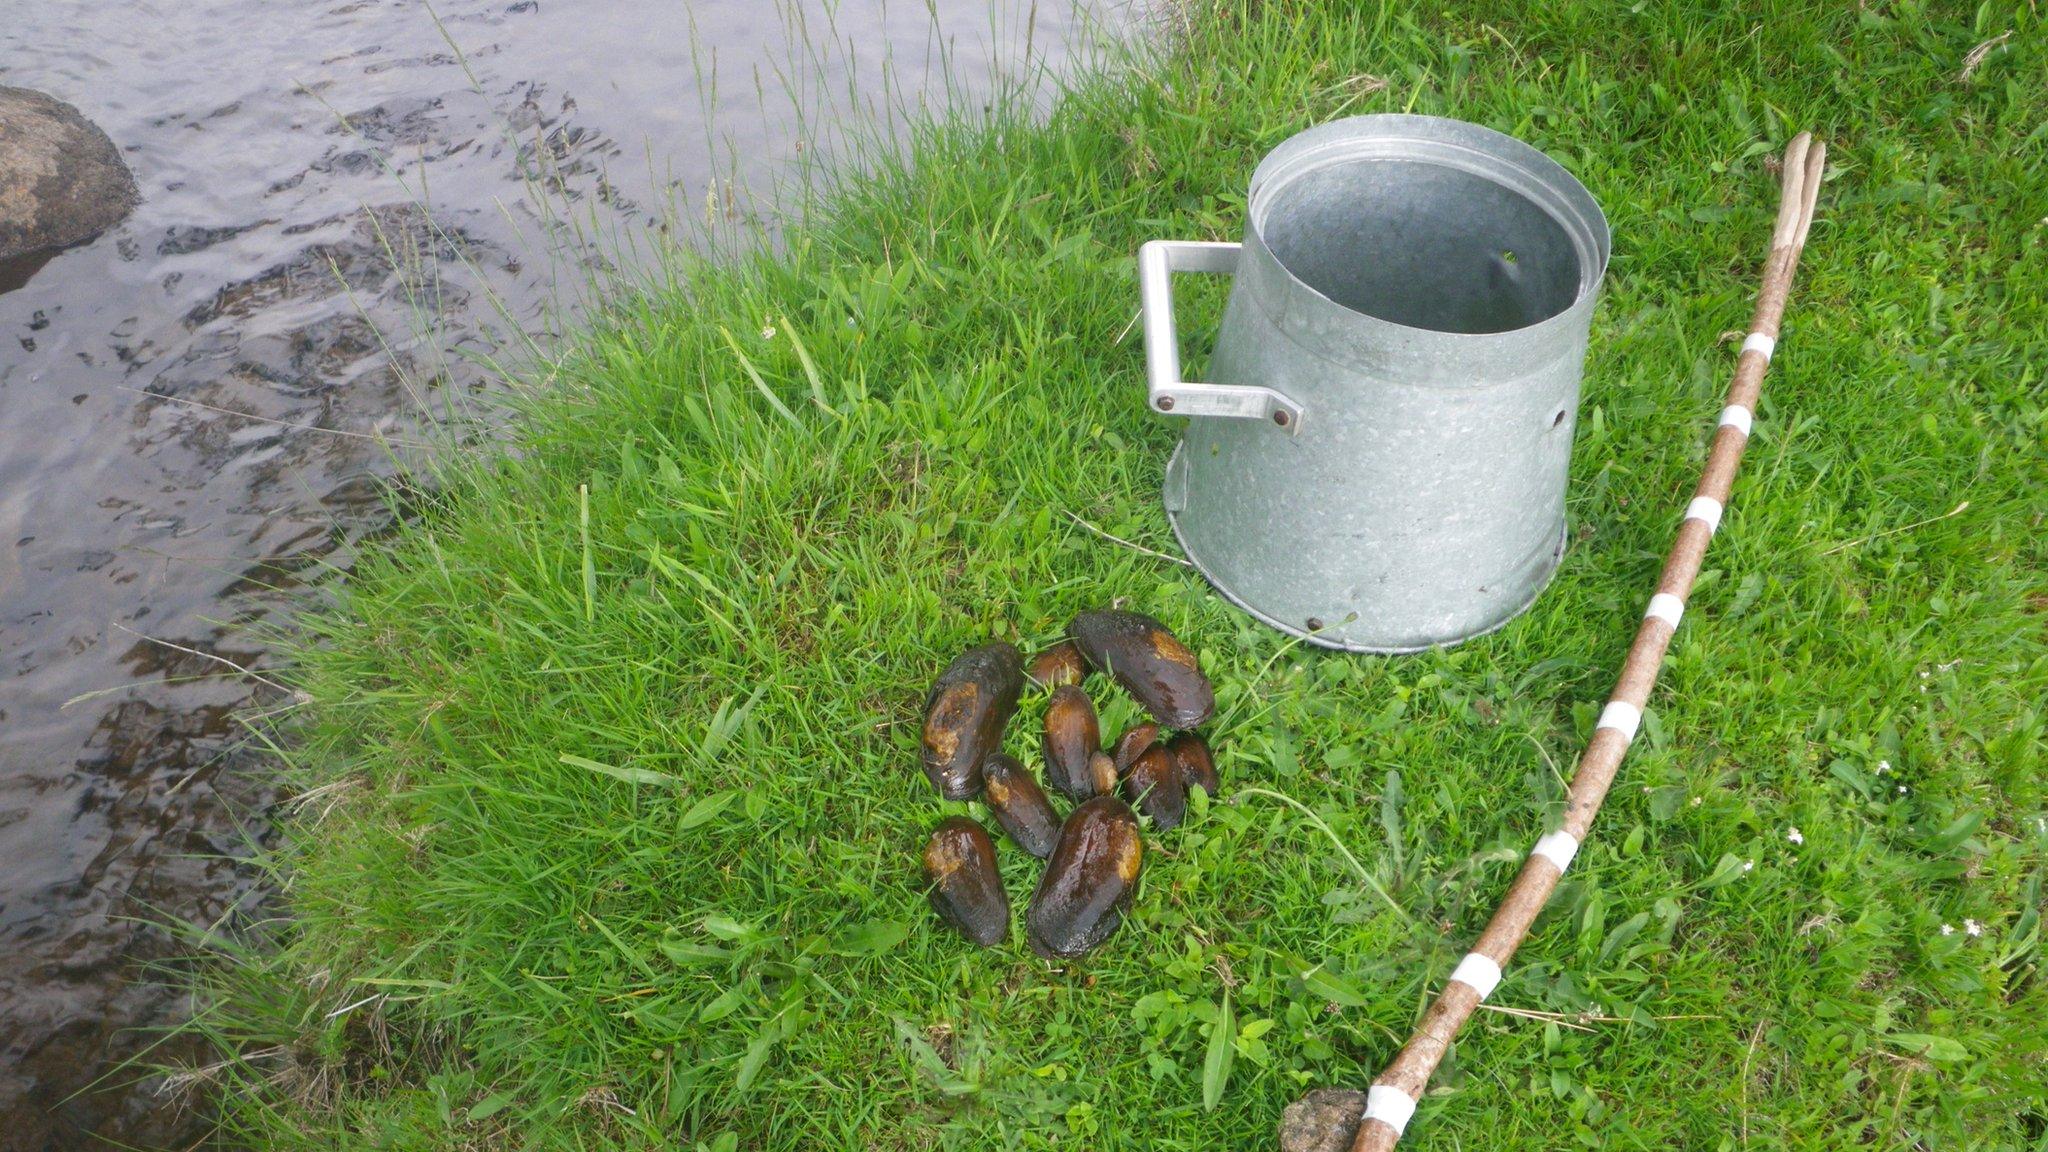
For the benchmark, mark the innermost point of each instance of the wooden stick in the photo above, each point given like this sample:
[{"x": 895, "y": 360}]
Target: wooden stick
[{"x": 1392, "y": 1097}]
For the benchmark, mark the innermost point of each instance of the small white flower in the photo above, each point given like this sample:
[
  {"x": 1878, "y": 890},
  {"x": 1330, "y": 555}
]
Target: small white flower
[
  {"x": 1883, "y": 766},
  {"x": 1695, "y": 801},
  {"x": 1948, "y": 929},
  {"x": 1902, "y": 789},
  {"x": 767, "y": 331},
  {"x": 1973, "y": 927},
  {"x": 1793, "y": 834},
  {"x": 1748, "y": 864}
]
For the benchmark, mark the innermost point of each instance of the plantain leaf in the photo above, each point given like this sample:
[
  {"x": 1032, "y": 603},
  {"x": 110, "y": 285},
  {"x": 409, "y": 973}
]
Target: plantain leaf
[
  {"x": 871, "y": 939},
  {"x": 1222, "y": 1052},
  {"x": 629, "y": 775},
  {"x": 703, "y": 811}
]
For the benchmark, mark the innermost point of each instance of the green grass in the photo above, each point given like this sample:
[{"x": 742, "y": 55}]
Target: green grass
[{"x": 614, "y": 741}]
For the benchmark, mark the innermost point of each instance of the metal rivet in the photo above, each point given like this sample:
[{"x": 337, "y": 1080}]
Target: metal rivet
[
  {"x": 1280, "y": 418},
  {"x": 1165, "y": 403}
]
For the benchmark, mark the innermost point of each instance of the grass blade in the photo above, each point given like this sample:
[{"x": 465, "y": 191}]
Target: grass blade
[
  {"x": 754, "y": 374},
  {"x": 803, "y": 356}
]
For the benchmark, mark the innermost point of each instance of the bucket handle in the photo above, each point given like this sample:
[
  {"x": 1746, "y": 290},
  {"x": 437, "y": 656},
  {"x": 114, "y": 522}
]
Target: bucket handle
[{"x": 1165, "y": 390}]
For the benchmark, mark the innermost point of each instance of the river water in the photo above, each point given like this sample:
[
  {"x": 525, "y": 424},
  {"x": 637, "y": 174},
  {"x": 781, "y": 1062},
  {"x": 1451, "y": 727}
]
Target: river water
[{"x": 348, "y": 205}]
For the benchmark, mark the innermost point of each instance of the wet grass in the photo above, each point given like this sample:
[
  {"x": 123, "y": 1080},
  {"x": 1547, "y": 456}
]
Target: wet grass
[{"x": 613, "y": 807}]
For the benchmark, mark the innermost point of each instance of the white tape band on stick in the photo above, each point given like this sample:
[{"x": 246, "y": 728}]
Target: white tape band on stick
[
  {"x": 1706, "y": 510},
  {"x": 1666, "y": 607},
  {"x": 1758, "y": 342},
  {"x": 1389, "y": 1106},
  {"x": 1737, "y": 417},
  {"x": 1557, "y": 847},
  {"x": 1621, "y": 716},
  {"x": 1478, "y": 971}
]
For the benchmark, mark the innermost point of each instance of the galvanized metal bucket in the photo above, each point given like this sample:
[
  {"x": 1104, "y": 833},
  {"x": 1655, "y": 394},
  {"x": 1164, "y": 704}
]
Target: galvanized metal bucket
[{"x": 1378, "y": 462}]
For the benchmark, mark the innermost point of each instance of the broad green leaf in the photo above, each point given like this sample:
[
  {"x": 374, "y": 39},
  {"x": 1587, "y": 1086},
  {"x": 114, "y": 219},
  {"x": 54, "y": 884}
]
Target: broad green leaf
[
  {"x": 728, "y": 1002},
  {"x": 763, "y": 1046},
  {"x": 629, "y": 775},
  {"x": 1391, "y": 798},
  {"x": 703, "y": 811},
  {"x": 871, "y": 939},
  {"x": 686, "y": 952},
  {"x": 1932, "y": 1047},
  {"x": 726, "y": 928},
  {"x": 1327, "y": 985},
  {"x": 1728, "y": 870},
  {"x": 933, "y": 1065},
  {"x": 488, "y": 1106},
  {"x": 1958, "y": 830},
  {"x": 1222, "y": 1051}
]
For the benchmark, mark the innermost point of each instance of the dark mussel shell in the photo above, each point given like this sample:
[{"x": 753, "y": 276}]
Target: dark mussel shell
[
  {"x": 1088, "y": 882},
  {"x": 1197, "y": 764},
  {"x": 1151, "y": 664},
  {"x": 966, "y": 890},
  {"x": 965, "y": 714},
  {"x": 1135, "y": 741},
  {"x": 1153, "y": 786},
  {"x": 1019, "y": 804},
  {"x": 1057, "y": 666},
  {"x": 1072, "y": 735}
]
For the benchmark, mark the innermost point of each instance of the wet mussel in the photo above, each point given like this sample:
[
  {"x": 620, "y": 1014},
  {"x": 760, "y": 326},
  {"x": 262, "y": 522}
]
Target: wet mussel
[
  {"x": 966, "y": 890},
  {"x": 1092, "y": 859},
  {"x": 1088, "y": 882},
  {"x": 1149, "y": 662},
  {"x": 1197, "y": 765},
  {"x": 1101, "y": 774},
  {"x": 1019, "y": 804},
  {"x": 1135, "y": 741},
  {"x": 1058, "y": 666},
  {"x": 1072, "y": 737},
  {"x": 1153, "y": 786},
  {"x": 965, "y": 714}
]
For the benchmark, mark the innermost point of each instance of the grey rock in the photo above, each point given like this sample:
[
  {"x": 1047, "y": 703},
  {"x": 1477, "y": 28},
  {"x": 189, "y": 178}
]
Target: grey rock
[
  {"x": 1325, "y": 1120},
  {"x": 61, "y": 179}
]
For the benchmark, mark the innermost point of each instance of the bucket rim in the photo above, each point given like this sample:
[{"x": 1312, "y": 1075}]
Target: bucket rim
[{"x": 1490, "y": 154}]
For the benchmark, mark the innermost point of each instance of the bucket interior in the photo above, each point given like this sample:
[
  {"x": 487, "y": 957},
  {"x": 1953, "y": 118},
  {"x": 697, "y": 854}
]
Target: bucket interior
[{"x": 1423, "y": 244}]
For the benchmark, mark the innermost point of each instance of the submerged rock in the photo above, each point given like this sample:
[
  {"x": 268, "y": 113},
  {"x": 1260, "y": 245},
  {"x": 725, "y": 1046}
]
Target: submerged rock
[{"x": 61, "y": 179}]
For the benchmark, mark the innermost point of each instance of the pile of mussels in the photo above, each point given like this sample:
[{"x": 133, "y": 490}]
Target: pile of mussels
[{"x": 1092, "y": 858}]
